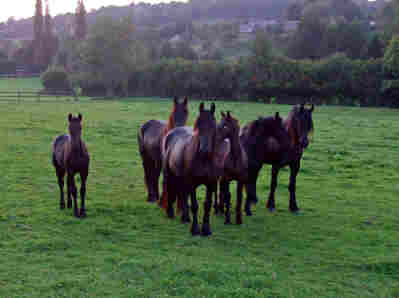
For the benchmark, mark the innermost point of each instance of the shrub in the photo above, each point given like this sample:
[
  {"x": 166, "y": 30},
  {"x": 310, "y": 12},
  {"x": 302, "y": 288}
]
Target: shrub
[{"x": 56, "y": 78}]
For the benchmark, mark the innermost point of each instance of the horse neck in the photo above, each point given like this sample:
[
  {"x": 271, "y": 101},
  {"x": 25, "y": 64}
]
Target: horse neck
[
  {"x": 292, "y": 132},
  {"x": 76, "y": 144},
  {"x": 171, "y": 122},
  {"x": 237, "y": 150}
]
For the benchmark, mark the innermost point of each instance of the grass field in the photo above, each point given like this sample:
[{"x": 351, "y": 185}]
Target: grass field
[{"x": 344, "y": 243}]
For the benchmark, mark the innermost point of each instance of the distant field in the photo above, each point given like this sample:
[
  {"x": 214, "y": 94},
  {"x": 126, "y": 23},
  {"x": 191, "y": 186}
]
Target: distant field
[
  {"x": 344, "y": 243},
  {"x": 20, "y": 84}
]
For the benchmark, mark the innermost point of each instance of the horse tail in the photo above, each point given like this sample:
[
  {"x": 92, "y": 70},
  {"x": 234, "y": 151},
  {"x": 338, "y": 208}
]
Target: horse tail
[
  {"x": 164, "y": 200},
  {"x": 140, "y": 141}
]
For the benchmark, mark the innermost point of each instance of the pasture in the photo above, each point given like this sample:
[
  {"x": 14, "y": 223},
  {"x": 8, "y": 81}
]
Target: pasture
[{"x": 344, "y": 243}]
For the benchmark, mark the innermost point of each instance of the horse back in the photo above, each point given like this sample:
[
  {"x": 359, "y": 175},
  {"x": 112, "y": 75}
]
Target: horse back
[
  {"x": 150, "y": 135},
  {"x": 173, "y": 148}
]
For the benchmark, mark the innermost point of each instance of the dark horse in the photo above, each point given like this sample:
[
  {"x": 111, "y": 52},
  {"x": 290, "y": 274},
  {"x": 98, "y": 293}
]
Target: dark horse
[
  {"x": 236, "y": 166},
  {"x": 193, "y": 157},
  {"x": 298, "y": 126},
  {"x": 70, "y": 156},
  {"x": 150, "y": 138}
]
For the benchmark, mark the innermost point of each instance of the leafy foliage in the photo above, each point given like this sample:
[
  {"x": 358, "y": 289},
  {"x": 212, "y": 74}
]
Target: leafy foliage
[
  {"x": 391, "y": 59},
  {"x": 56, "y": 78}
]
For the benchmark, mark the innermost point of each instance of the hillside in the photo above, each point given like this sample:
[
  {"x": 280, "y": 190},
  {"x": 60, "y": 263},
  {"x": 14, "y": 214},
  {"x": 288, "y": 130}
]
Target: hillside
[{"x": 160, "y": 14}]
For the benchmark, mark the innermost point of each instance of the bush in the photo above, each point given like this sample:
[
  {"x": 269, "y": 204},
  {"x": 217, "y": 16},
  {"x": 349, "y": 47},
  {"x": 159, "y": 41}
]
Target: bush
[
  {"x": 7, "y": 67},
  {"x": 56, "y": 78}
]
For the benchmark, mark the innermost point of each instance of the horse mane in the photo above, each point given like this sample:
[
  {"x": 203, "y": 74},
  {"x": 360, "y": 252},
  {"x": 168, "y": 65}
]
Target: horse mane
[{"x": 171, "y": 122}]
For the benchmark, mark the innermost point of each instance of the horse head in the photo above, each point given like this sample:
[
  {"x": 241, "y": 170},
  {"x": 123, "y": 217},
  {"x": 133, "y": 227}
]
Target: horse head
[
  {"x": 302, "y": 123},
  {"x": 75, "y": 125},
  {"x": 205, "y": 130},
  {"x": 180, "y": 112},
  {"x": 228, "y": 127}
]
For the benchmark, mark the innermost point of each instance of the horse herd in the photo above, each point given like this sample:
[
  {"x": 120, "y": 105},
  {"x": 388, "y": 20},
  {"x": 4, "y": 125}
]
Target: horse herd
[{"x": 209, "y": 153}]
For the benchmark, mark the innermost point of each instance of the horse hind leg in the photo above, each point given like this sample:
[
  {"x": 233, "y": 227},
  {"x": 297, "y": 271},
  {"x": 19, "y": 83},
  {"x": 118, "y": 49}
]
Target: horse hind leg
[
  {"x": 194, "y": 209},
  {"x": 151, "y": 172},
  {"x": 206, "y": 227},
  {"x": 273, "y": 185},
  {"x": 83, "y": 177},
  {"x": 60, "y": 176}
]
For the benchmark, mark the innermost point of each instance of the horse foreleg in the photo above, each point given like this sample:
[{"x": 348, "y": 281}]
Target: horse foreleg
[
  {"x": 183, "y": 202},
  {"x": 83, "y": 177},
  {"x": 273, "y": 185},
  {"x": 295, "y": 166},
  {"x": 224, "y": 201},
  {"x": 253, "y": 174},
  {"x": 240, "y": 187},
  {"x": 206, "y": 228},
  {"x": 73, "y": 191},
  {"x": 194, "y": 209},
  {"x": 60, "y": 177}
]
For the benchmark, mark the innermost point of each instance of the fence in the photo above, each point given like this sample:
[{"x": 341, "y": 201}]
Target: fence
[
  {"x": 38, "y": 95},
  {"x": 20, "y": 75}
]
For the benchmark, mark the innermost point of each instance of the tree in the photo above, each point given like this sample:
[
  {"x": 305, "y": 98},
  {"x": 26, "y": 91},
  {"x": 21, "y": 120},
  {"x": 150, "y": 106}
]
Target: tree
[
  {"x": 391, "y": 59},
  {"x": 111, "y": 53},
  {"x": 307, "y": 40},
  {"x": 80, "y": 21},
  {"x": 38, "y": 33},
  {"x": 375, "y": 48},
  {"x": 49, "y": 40}
]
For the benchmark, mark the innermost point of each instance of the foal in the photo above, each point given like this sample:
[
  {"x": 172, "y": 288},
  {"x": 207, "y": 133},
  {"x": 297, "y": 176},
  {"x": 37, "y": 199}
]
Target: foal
[
  {"x": 150, "y": 138},
  {"x": 70, "y": 156}
]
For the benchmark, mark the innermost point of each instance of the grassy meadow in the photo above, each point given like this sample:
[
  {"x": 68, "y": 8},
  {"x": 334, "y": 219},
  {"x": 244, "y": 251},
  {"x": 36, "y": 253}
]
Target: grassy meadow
[{"x": 344, "y": 243}]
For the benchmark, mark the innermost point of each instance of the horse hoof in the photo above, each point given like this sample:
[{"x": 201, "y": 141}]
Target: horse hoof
[
  {"x": 239, "y": 221},
  {"x": 195, "y": 231},
  {"x": 206, "y": 233},
  {"x": 248, "y": 212},
  {"x": 271, "y": 209},
  {"x": 185, "y": 219},
  {"x": 295, "y": 211},
  {"x": 83, "y": 214},
  {"x": 62, "y": 207},
  {"x": 152, "y": 200},
  {"x": 227, "y": 222},
  {"x": 77, "y": 215},
  {"x": 69, "y": 206}
]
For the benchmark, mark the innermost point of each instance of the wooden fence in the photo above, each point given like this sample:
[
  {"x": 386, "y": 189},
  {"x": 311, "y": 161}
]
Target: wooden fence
[{"x": 38, "y": 95}]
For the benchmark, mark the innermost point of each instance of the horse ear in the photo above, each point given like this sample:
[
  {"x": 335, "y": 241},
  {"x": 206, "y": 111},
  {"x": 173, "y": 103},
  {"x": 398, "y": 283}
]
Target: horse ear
[
  {"x": 70, "y": 117},
  {"x": 185, "y": 100},
  {"x": 80, "y": 117},
  {"x": 228, "y": 115},
  {"x": 201, "y": 107},
  {"x": 176, "y": 100},
  {"x": 222, "y": 114},
  {"x": 213, "y": 108},
  {"x": 312, "y": 108},
  {"x": 302, "y": 107}
]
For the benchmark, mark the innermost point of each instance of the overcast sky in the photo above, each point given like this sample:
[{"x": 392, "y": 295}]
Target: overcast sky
[{"x": 25, "y": 8}]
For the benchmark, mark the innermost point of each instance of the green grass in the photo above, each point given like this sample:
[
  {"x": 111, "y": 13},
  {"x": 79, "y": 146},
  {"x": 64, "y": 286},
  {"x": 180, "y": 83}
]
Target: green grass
[
  {"x": 14, "y": 84},
  {"x": 344, "y": 243}
]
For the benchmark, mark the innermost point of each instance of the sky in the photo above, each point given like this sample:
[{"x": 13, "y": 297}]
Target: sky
[{"x": 25, "y": 8}]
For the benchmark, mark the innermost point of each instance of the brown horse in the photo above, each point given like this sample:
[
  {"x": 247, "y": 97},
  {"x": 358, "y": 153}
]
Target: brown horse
[
  {"x": 150, "y": 138},
  {"x": 70, "y": 156},
  {"x": 193, "y": 157},
  {"x": 236, "y": 165},
  {"x": 298, "y": 126}
]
